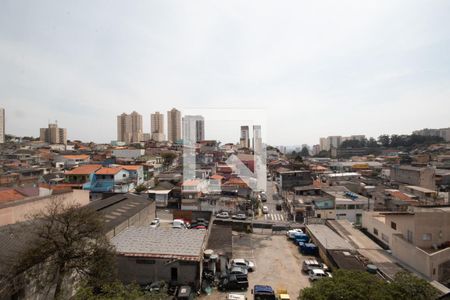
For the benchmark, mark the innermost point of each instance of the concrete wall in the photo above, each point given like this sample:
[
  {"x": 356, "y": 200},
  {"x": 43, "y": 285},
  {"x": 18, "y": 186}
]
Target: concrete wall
[
  {"x": 147, "y": 270},
  {"x": 142, "y": 218},
  {"x": 432, "y": 265},
  {"x": 18, "y": 211}
]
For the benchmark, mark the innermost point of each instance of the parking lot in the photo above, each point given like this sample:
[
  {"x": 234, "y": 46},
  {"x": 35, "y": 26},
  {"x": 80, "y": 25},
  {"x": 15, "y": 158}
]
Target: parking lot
[{"x": 278, "y": 263}]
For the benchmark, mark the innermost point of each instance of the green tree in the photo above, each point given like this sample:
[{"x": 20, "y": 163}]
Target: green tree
[
  {"x": 358, "y": 285},
  {"x": 304, "y": 152},
  {"x": 140, "y": 188},
  {"x": 384, "y": 140},
  {"x": 168, "y": 158},
  {"x": 408, "y": 286},
  {"x": 118, "y": 291},
  {"x": 66, "y": 240}
]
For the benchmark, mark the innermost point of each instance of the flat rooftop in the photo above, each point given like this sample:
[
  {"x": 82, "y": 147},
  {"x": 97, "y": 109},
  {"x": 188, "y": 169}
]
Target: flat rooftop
[
  {"x": 172, "y": 243},
  {"x": 327, "y": 238},
  {"x": 366, "y": 247}
]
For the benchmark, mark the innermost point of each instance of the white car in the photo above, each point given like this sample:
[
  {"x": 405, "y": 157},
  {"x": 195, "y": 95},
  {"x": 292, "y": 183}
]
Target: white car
[
  {"x": 265, "y": 210},
  {"x": 291, "y": 233},
  {"x": 179, "y": 224},
  {"x": 316, "y": 274},
  {"x": 155, "y": 223},
  {"x": 223, "y": 215},
  {"x": 243, "y": 263}
]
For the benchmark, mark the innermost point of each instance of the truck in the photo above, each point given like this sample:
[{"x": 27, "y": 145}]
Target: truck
[
  {"x": 300, "y": 237},
  {"x": 307, "y": 248},
  {"x": 282, "y": 294}
]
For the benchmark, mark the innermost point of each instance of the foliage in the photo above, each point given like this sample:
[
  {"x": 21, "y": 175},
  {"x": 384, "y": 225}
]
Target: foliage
[
  {"x": 168, "y": 158},
  {"x": 304, "y": 152},
  {"x": 393, "y": 141},
  {"x": 362, "y": 285},
  {"x": 141, "y": 188},
  {"x": 118, "y": 291},
  {"x": 66, "y": 240}
]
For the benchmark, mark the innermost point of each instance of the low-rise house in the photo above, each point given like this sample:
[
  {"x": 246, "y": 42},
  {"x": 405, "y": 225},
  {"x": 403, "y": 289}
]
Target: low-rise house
[
  {"x": 418, "y": 176},
  {"x": 77, "y": 177},
  {"x": 136, "y": 172},
  {"x": 193, "y": 189},
  {"x": 128, "y": 153},
  {"x": 110, "y": 180},
  {"x": 291, "y": 179},
  {"x": 146, "y": 255},
  {"x": 71, "y": 161},
  {"x": 419, "y": 238},
  {"x": 161, "y": 193}
]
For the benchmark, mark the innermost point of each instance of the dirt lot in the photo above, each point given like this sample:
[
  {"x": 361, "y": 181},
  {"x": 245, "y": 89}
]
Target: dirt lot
[{"x": 278, "y": 263}]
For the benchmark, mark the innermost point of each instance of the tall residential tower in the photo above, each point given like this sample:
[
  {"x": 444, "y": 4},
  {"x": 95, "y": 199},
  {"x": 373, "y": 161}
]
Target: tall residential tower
[{"x": 173, "y": 125}]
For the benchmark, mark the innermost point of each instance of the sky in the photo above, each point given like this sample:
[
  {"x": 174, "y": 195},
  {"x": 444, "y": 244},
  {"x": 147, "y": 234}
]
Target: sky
[{"x": 316, "y": 68}]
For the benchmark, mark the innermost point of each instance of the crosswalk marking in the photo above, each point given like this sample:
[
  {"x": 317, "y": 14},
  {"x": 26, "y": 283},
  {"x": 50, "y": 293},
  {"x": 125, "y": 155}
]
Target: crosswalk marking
[{"x": 274, "y": 217}]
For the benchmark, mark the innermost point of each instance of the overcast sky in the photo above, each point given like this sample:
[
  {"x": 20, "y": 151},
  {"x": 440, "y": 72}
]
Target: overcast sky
[{"x": 317, "y": 68}]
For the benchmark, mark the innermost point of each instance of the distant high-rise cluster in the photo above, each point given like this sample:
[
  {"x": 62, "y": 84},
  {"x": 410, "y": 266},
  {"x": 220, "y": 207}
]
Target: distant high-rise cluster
[
  {"x": 2, "y": 125},
  {"x": 333, "y": 142},
  {"x": 442, "y": 132},
  {"x": 129, "y": 128},
  {"x": 244, "y": 141},
  {"x": 53, "y": 134}
]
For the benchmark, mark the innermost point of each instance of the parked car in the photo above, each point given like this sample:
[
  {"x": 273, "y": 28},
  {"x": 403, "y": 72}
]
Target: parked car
[
  {"x": 263, "y": 197},
  {"x": 239, "y": 217},
  {"x": 310, "y": 264},
  {"x": 278, "y": 206},
  {"x": 308, "y": 248},
  {"x": 223, "y": 215},
  {"x": 237, "y": 270},
  {"x": 316, "y": 274},
  {"x": 243, "y": 263},
  {"x": 265, "y": 210},
  {"x": 202, "y": 227},
  {"x": 300, "y": 237},
  {"x": 291, "y": 233},
  {"x": 263, "y": 292},
  {"x": 155, "y": 223},
  {"x": 233, "y": 282},
  {"x": 179, "y": 224}
]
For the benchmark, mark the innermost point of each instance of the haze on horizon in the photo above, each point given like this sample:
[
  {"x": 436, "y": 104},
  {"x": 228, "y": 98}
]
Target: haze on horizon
[{"x": 316, "y": 68}]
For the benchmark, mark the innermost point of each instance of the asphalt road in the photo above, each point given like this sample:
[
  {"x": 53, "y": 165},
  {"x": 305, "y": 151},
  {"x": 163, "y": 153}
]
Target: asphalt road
[{"x": 272, "y": 199}]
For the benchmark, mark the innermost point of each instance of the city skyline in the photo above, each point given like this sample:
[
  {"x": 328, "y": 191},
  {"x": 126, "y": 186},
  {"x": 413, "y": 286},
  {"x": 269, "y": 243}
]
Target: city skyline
[{"x": 376, "y": 71}]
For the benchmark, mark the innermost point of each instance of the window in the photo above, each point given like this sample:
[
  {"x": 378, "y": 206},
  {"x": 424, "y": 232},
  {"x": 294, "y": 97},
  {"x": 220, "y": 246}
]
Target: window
[
  {"x": 375, "y": 231},
  {"x": 351, "y": 206},
  {"x": 340, "y": 206},
  {"x": 426, "y": 237},
  {"x": 393, "y": 225},
  {"x": 124, "y": 175}
]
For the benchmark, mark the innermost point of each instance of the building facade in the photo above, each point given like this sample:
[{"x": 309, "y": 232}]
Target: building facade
[
  {"x": 157, "y": 126},
  {"x": 173, "y": 125},
  {"x": 129, "y": 128},
  {"x": 245, "y": 137},
  {"x": 2, "y": 125},
  {"x": 193, "y": 129},
  {"x": 53, "y": 134}
]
